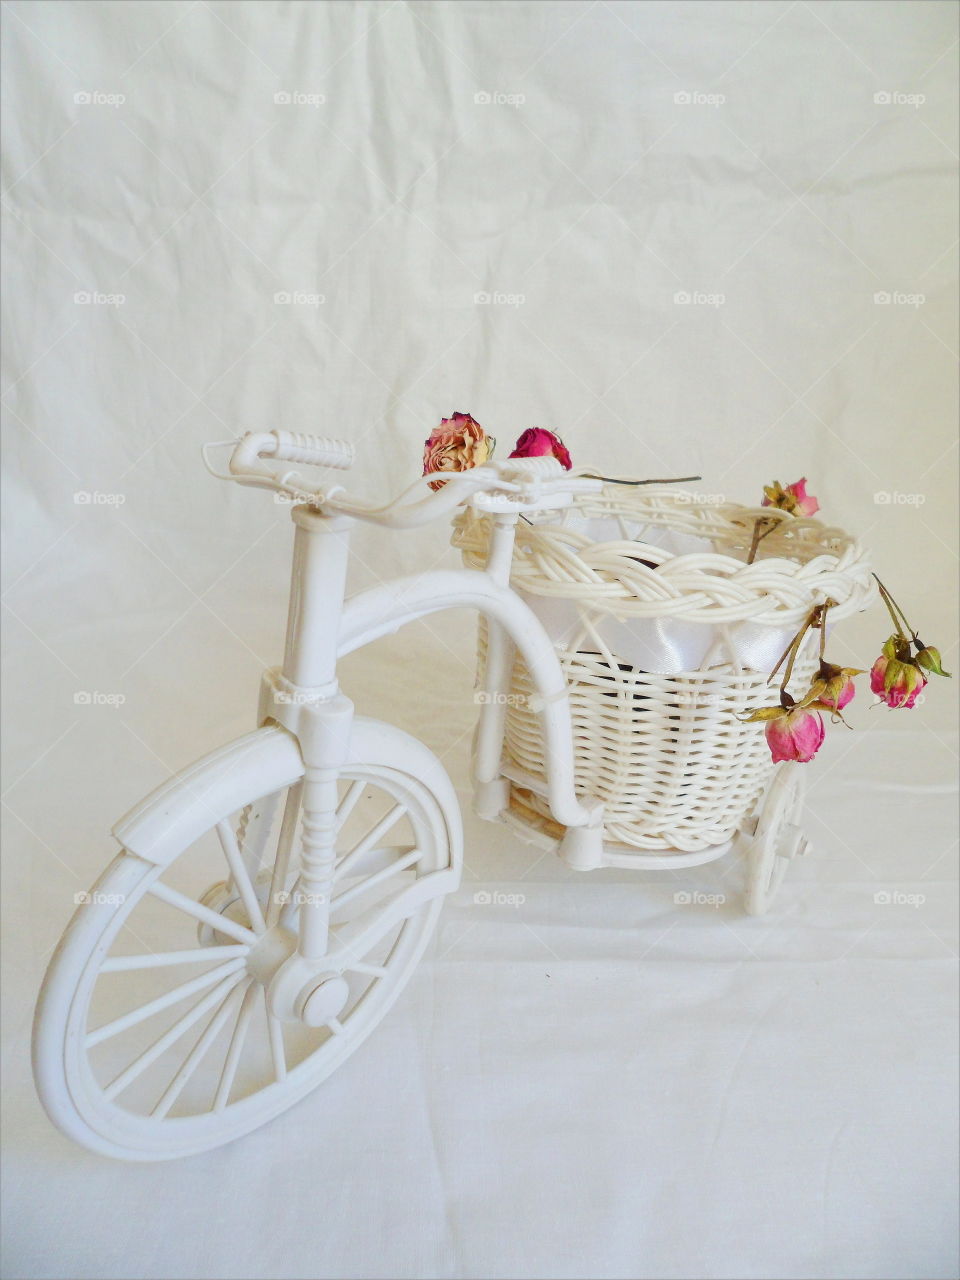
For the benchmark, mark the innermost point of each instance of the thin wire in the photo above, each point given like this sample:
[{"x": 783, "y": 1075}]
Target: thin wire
[{"x": 589, "y": 475}]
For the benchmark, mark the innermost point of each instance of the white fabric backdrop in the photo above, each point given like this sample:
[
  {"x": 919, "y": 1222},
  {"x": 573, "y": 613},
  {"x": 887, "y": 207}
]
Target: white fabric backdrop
[{"x": 600, "y": 1082}]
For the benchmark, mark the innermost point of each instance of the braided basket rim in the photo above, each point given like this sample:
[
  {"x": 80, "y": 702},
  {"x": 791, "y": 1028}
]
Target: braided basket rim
[{"x": 802, "y": 562}]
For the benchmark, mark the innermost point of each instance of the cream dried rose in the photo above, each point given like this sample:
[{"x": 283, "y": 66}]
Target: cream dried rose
[{"x": 458, "y": 444}]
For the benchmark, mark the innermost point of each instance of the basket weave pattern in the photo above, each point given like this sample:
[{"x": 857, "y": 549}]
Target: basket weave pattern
[
  {"x": 801, "y": 563},
  {"x": 667, "y": 754}
]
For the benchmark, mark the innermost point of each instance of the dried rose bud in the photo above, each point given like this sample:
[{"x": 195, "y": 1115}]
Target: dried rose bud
[
  {"x": 538, "y": 442},
  {"x": 834, "y": 687},
  {"x": 929, "y": 659},
  {"x": 792, "y": 497},
  {"x": 458, "y": 444},
  {"x": 895, "y": 677},
  {"x": 793, "y": 733}
]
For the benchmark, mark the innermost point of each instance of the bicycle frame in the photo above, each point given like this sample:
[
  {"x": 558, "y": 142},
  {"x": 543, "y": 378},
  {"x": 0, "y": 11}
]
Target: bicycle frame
[
  {"x": 304, "y": 695},
  {"x": 323, "y": 941}
]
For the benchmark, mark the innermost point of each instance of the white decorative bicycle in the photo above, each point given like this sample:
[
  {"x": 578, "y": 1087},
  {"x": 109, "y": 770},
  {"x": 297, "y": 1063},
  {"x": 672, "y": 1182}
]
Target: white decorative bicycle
[{"x": 270, "y": 902}]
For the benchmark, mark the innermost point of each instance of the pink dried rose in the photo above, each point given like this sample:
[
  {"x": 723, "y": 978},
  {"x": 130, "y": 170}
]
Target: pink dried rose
[
  {"x": 458, "y": 444},
  {"x": 796, "y": 736},
  {"x": 538, "y": 442},
  {"x": 895, "y": 677},
  {"x": 899, "y": 675},
  {"x": 834, "y": 687},
  {"x": 792, "y": 497},
  {"x": 794, "y": 732}
]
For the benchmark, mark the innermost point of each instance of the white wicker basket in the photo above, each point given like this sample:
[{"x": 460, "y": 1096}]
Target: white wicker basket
[{"x": 658, "y": 577}]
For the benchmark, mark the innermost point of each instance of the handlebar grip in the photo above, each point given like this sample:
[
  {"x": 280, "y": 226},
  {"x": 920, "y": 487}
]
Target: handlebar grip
[
  {"x": 541, "y": 467},
  {"x": 321, "y": 451}
]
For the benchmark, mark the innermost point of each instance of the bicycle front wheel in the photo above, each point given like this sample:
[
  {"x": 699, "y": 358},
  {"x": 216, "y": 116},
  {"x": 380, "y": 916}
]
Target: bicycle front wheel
[{"x": 153, "y": 1037}]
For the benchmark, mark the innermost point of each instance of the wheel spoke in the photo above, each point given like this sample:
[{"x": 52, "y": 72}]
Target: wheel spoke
[
  {"x": 375, "y": 859},
  {"x": 237, "y": 1041},
  {"x": 160, "y": 959},
  {"x": 111, "y": 1029},
  {"x": 369, "y": 935},
  {"x": 291, "y": 906},
  {"x": 150, "y": 1055},
  {"x": 349, "y": 801},
  {"x": 347, "y": 895},
  {"x": 248, "y": 895},
  {"x": 181, "y": 1055},
  {"x": 223, "y": 924},
  {"x": 288, "y": 827},
  {"x": 197, "y": 1054},
  {"x": 275, "y": 1032},
  {"x": 253, "y": 831},
  {"x": 375, "y": 970},
  {"x": 369, "y": 840}
]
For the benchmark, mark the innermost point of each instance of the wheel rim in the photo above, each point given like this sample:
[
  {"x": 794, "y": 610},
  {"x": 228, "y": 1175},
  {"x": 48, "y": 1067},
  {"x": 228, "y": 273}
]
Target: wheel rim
[
  {"x": 781, "y": 810},
  {"x": 195, "y": 1058}
]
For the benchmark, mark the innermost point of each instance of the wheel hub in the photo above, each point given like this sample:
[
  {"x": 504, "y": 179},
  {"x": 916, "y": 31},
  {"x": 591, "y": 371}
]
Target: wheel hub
[
  {"x": 225, "y": 902},
  {"x": 319, "y": 1003},
  {"x": 270, "y": 952},
  {"x": 304, "y": 991}
]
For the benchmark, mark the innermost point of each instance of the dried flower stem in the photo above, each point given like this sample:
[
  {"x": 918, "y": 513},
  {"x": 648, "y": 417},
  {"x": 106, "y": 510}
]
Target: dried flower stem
[
  {"x": 822, "y": 624},
  {"x": 816, "y": 618},
  {"x": 789, "y": 655},
  {"x": 759, "y": 533},
  {"x": 894, "y": 609},
  {"x": 588, "y": 475}
]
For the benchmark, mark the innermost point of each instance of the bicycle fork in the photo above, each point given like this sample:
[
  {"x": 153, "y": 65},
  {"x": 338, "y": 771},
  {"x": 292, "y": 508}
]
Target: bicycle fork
[
  {"x": 305, "y": 988},
  {"x": 304, "y": 697}
]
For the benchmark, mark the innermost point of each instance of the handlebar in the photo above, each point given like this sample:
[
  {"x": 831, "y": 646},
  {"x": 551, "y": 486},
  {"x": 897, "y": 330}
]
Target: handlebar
[
  {"x": 512, "y": 485},
  {"x": 291, "y": 446}
]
